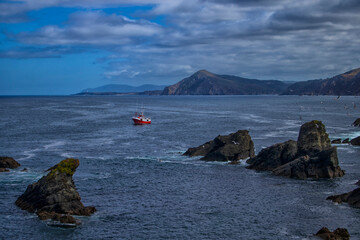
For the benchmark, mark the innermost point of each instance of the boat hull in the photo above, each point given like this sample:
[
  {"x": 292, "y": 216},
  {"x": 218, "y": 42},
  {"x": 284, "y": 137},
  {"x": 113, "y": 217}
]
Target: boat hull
[{"x": 141, "y": 121}]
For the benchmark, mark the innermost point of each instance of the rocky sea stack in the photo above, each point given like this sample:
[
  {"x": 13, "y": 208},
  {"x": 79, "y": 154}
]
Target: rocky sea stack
[
  {"x": 311, "y": 156},
  {"x": 232, "y": 147},
  {"x": 8, "y": 162},
  {"x": 54, "y": 196},
  {"x": 338, "y": 234}
]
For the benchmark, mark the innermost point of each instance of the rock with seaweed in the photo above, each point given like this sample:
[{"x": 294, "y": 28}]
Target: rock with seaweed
[
  {"x": 55, "y": 194},
  {"x": 232, "y": 147},
  {"x": 338, "y": 234},
  {"x": 352, "y": 198},
  {"x": 312, "y": 156},
  {"x": 8, "y": 162}
]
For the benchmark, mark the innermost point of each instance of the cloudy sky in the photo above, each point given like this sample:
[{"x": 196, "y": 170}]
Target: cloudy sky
[{"x": 64, "y": 46}]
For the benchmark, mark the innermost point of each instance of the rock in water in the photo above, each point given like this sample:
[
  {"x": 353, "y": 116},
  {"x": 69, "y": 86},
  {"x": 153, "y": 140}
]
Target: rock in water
[
  {"x": 355, "y": 141},
  {"x": 310, "y": 157},
  {"x": 55, "y": 193},
  {"x": 8, "y": 162},
  {"x": 272, "y": 157},
  {"x": 356, "y": 123},
  {"x": 352, "y": 198},
  {"x": 336, "y": 141},
  {"x": 346, "y": 140},
  {"x": 312, "y": 138},
  {"x": 232, "y": 147},
  {"x": 338, "y": 234}
]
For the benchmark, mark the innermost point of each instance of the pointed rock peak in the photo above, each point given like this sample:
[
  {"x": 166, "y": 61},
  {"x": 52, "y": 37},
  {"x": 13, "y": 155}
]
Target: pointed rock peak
[{"x": 203, "y": 73}]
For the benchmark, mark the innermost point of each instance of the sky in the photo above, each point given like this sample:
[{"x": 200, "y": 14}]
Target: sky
[{"x": 64, "y": 46}]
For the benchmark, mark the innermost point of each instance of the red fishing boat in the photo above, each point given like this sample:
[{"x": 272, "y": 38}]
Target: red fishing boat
[{"x": 140, "y": 119}]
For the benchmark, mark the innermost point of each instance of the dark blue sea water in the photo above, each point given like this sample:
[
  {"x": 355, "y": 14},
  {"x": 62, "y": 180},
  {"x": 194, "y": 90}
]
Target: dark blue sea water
[{"x": 143, "y": 188}]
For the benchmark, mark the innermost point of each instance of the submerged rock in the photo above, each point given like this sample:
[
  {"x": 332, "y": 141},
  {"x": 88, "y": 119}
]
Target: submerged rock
[
  {"x": 352, "y": 198},
  {"x": 55, "y": 193},
  {"x": 346, "y": 140},
  {"x": 4, "y": 170},
  {"x": 232, "y": 147},
  {"x": 355, "y": 141},
  {"x": 356, "y": 123},
  {"x": 8, "y": 162},
  {"x": 338, "y": 234},
  {"x": 310, "y": 157}
]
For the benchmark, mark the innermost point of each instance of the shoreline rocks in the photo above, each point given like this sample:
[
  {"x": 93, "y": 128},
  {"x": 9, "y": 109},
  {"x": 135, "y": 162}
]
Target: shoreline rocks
[
  {"x": 8, "y": 162},
  {"x": 338, "y": 234},
  {"x": 352, "y": 198},
  {"x": 312, "y": 156},
  {"x": 54, "y": 196},
  {"x": 355, "y": 141},
  {"x": 232, "y": 147}
]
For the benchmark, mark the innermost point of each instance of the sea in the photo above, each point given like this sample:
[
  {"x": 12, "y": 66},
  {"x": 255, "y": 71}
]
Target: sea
[{"x": 142, "y": 186}]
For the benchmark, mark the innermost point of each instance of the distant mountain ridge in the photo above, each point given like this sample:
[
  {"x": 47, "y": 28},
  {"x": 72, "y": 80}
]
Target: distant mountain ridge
[
  {"x": 347, "y": 83},
  {"x": 207, "y": 83},
  {"x": 122, "y": 88}
]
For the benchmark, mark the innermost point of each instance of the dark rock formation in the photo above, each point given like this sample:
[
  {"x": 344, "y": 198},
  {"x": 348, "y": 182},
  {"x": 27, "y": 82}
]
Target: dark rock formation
[
  {"x": 355, "y": 141},
  {"x": 356, "y": 123},
  {"x": 232, "y": 147},
  {"x": 8, "y": 162},
  {"x": 352, "y": 198},
  {"x": 310, "y": 157},
  {"x": 4, "y": 170},
  {"x": 55, "y": 193},
  {"x": 207, "y": 83},
  {"x": 336, "y": 141},
  {"x": 344, "y": 84},
  {"x": 272, "y": 157},
  {"x": 338, "y": 234},
  {"x": 357, "y": 183},
  {"x": 347, "y": 140}
]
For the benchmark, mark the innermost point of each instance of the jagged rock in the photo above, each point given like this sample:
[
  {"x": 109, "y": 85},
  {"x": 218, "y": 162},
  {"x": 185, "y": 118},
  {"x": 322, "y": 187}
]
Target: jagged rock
[
  {"x": 232, "y": 147},
  {"x": 356, "y": 123},
  {"x": 310, "y": 157},
  {"x": 8, "y": 162},
  {"x": 62, "y": 218},
  {"x": 338, "y": 234},
  {"x": 322, "y": 165},
  {"x": 274, "y": 156},
  {"x": 346, "y": 140},
  {"x": 55, "y": 192},
  {"x": 352, "y": 198},
  {"x": 4, "y": 170},
  {"x": 336, "y": 141},
  {"x": 355, "y": 141},
  {"x": 357, "y": 183},
  {"x": 312, "y": 138}
]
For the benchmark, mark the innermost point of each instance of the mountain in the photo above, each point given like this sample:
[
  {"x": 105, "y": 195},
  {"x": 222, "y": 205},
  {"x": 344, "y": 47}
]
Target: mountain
[
  {"x": 344, "y": 84},
  {"x": 207, "y": 83},
  {"x": 119, "y": 88}
]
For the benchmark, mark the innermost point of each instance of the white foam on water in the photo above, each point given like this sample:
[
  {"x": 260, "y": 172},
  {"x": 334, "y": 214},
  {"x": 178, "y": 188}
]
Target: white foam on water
[{"x": 53, "y": 145}]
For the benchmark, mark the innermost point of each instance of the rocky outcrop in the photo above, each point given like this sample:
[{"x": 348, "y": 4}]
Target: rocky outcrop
[
  {"x": 346, "y": 140},
  {"x": 336, "y": 141},
  {"x": 4, "y": 170},
  {"x": 55, "y": 195},
  {"x": 8, "y": 162},
  {"x": 338, "y": 234},
  {"x": 352, "y": 198},
  {"x": 356, "y": 123},
  {"x": 357, "y": 183},
  {"x": 272, "y": 157},
  {"x": 355, "y": 141},
  {"x": 310, "y": 157},
  {"x": 232, "y": 147}
]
